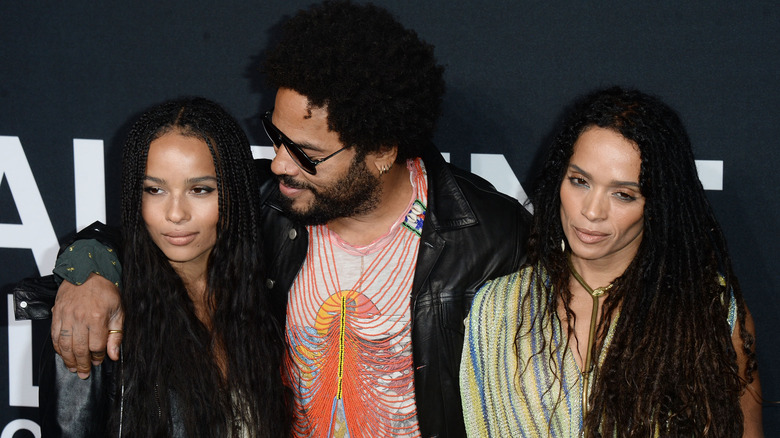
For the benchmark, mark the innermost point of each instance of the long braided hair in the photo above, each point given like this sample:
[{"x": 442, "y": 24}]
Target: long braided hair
[
  {"x": 671, "y": 366},
  {"x": 170, "y": 371}
]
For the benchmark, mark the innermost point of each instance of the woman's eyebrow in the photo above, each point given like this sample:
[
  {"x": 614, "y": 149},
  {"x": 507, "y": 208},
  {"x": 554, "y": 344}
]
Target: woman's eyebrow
[
  {"x": 613, "y": 182},
  {"x": 200, "y": 179}
]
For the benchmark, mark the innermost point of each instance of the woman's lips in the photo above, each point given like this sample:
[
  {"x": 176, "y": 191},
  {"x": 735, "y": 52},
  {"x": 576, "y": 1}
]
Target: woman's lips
[
  {"x": 589, "y": 236},
  {"x": 180, "y": 239}
]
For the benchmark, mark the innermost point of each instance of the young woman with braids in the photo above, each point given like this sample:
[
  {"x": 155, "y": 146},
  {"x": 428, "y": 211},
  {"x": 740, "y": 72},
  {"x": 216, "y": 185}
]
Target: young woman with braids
[
  {"x": 201, "y": 352},
  {"x": 627, "y": 319}
]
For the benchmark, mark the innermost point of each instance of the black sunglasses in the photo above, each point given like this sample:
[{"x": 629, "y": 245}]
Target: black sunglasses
[{"x": 306, "y": 163}]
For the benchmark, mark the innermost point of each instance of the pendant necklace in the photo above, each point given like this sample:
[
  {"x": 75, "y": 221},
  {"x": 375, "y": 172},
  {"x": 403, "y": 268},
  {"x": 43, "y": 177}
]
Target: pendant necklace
[{"x": 595, "y": 294}]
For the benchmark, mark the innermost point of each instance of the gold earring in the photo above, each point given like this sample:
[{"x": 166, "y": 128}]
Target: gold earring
[{"x": 384, "y": 169}]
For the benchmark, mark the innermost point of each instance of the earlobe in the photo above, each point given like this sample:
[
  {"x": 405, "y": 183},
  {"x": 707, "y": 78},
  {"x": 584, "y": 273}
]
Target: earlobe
[
  {"x": 383, "y": 168},
  {"x": 384, "y": 159}
]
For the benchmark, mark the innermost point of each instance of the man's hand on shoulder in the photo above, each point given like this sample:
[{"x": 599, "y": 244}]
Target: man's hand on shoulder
[{"x": 87, "y": 322}]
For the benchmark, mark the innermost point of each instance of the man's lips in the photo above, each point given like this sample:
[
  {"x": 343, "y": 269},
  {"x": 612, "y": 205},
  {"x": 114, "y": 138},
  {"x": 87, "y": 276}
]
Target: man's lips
[
  {"x": 290, "y": 187},
  {"x": 589, "y": 236},
  {"x": 180, "y": 238}
]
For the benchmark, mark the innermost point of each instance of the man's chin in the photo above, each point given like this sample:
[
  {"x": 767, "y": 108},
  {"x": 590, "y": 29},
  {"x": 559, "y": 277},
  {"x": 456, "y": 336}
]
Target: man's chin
[
  {"x": 300, "y": 214},
  {"x": 306, "y": 218}
]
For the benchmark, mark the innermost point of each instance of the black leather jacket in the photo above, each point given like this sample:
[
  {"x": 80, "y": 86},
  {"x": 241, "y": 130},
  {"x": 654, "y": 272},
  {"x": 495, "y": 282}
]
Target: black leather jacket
[
  {"x": 68, "y": 406},
  {"x": 471, "y": 234}
]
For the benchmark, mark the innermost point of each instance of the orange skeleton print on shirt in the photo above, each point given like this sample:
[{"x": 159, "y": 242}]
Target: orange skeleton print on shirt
[{"x": 349, "y": 357}]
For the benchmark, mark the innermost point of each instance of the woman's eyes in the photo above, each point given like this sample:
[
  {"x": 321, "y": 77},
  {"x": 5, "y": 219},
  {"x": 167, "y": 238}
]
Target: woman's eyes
[
  {"x": 198, "y": 190},
  {"x": 621, "y": 195},
  {"x": 202, "y": 190}
]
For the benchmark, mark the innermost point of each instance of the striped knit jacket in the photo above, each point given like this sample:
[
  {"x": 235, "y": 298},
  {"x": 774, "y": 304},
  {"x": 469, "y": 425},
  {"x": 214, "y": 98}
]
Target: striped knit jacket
[{"x": 528, "y": 395}]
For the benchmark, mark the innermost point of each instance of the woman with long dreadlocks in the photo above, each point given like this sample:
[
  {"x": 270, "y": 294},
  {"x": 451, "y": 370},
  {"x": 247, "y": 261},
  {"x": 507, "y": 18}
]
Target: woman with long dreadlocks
[
  {"x": 201, "y": 351},
  {"x": 627, "y": 319}
]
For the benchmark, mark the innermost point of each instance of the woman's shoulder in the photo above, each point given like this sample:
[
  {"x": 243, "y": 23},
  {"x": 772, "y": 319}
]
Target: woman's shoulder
[
  {"x": 518, "y": 279},
  {"x": 503, "y": 294}
]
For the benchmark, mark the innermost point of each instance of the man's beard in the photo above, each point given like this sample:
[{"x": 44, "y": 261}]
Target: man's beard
[{"x": 356, "y": 193}]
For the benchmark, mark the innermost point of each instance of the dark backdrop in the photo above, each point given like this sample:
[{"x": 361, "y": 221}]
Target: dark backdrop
[{"x": 84, "y": 70}]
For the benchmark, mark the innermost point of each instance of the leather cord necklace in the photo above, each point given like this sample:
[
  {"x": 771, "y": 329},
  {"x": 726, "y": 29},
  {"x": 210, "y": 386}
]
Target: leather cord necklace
[{"x": 595, "y": 294}]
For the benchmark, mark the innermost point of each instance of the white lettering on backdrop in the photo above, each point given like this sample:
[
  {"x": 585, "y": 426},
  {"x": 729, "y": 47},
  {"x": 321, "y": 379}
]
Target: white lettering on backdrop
[
  {"x": 35, "y": 231},
  {"x": 37, "y": 234},
  {"x": 21, "y": 424}
]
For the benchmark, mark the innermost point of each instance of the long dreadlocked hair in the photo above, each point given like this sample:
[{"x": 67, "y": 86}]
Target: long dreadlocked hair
[
  {"x": 671, "y": 366},
  {"x": 168, "y": 354}
]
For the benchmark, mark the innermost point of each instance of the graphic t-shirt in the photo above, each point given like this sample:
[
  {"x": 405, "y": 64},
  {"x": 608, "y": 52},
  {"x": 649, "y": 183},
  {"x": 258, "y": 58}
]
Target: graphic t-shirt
[{"x": 349, "y": 357}]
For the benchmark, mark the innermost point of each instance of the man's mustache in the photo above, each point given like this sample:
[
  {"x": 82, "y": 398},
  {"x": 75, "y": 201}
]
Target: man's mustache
[{"x": 292, "y": 183}]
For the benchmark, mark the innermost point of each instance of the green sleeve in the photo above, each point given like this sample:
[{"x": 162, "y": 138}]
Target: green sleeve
[{"x": 84, "y": 257}]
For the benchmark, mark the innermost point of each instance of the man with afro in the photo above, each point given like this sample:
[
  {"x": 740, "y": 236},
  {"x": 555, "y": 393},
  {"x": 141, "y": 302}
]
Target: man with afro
[{"x": 391, "y": 241}]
